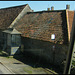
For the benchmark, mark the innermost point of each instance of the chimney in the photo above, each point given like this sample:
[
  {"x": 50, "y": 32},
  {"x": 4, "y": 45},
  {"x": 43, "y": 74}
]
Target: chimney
[
  {"x": 48, "y": 9},
  {"x": 67, "y": 6},
  {"x": 52, "y": 8}
]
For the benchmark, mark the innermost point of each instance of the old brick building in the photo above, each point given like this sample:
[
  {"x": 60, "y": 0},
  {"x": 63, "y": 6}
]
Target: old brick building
[{"x": 37, "y": 28}]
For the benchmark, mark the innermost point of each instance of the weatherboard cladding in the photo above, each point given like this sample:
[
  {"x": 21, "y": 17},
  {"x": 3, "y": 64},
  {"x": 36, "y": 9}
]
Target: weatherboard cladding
[
  {"x": 41, "y": 25},
  {"x": 7, "y": 15}
]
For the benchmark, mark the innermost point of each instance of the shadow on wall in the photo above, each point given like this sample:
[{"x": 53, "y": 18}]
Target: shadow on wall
[
  {"x": 64, "y": 28},
  {"x": 53, "y": 53},
  {"x": 35, "y": 51}
]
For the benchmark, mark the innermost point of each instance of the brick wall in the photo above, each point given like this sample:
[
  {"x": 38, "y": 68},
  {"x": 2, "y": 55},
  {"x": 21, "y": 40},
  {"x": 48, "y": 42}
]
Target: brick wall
[{"x": 44, "y": 50}]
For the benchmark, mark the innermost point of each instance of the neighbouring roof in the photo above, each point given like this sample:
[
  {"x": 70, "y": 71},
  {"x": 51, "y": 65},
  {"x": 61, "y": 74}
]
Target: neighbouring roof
[
  {"x": 7, "y": 15},
  {"x": 40, "y": 25}
]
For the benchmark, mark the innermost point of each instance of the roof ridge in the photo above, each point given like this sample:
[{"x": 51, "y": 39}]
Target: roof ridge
[
  {"x": 14, "y": 6},
  {"x": 47, "y": 11}
]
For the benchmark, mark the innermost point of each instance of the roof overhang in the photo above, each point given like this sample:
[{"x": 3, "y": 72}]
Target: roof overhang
[{"x": 12, "y": 31}]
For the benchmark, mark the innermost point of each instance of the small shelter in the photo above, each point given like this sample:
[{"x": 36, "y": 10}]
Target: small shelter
[{"x": 12, "y": 41}]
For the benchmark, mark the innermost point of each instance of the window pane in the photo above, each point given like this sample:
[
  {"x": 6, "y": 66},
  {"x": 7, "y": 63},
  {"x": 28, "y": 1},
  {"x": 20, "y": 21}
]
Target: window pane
[
  {"x": 13, "y": 40},
  {"x": 9, "y": 40},
  {"x": 16, "y": 40}
]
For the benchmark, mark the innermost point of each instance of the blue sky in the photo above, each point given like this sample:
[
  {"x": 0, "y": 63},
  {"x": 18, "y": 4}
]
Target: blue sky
[{"x": 40, "y": 5}]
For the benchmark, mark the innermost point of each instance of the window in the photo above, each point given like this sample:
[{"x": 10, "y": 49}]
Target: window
[
  {"x": 53, "y": 37},
  {"x": 8, "y": 39},
  {"x": 16, "y": 40}
]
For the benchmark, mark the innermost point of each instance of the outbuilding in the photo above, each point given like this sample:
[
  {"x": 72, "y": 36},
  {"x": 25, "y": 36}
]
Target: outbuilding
[{"x": 12, "y": 41}]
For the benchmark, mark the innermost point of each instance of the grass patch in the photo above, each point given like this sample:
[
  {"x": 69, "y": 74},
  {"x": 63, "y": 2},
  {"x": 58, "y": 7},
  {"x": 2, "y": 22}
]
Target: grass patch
[
  {"x": 30, "y": 72},
  {"x": 9, "y": 57},
  {"x": 73, "y": 63},
  {"x": 0, "y": 50}
]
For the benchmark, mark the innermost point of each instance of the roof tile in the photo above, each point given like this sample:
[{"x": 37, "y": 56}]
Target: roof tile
[
  {"x": 42, "y": 25},
  {"x": 7, "y": 15}
]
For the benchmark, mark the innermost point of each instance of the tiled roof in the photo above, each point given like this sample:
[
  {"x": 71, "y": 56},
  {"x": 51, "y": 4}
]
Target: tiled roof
[
  {"x": 7, "y": 15},
  {"x": 40, "y": 25}
]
